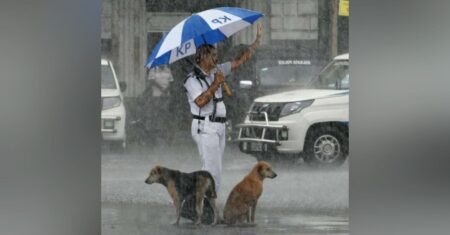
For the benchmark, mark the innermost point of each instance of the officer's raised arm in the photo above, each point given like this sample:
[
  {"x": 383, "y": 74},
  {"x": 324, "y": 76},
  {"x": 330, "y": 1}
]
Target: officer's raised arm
[{"x": 238, "y": 61}]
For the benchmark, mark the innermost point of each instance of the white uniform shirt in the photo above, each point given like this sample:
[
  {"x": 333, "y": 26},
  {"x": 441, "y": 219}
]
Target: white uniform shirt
[{"x": 194, "y": 89}]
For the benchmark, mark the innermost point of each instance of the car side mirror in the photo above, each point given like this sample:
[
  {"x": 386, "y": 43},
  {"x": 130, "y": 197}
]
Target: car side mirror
[
  {"x": 245, "y": 84},
  {"x": 123, "y": 86}
]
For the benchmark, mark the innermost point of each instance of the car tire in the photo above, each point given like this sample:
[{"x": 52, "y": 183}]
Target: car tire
[
  {"x": 118, "y": 146},
  {"x": 326, "y": 145}
]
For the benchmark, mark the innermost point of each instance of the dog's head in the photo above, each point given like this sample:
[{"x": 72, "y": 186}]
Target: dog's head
[
  {"x": 154, "y": 175},
  {"x": 264, "y": 169}
]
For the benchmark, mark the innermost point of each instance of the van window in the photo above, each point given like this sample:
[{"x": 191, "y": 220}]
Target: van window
[
  {"x": 335, "y": 76},
  {"x": 277, "y": 75},
  {"x": 108, "y": 81}
]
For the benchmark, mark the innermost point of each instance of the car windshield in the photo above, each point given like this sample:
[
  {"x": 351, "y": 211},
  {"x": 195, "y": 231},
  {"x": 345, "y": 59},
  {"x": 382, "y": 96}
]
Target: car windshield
[
  {"x": 107, "y": 78},
  {"x": 286, "y": 75},
  {"x": 335, "y": 76}
]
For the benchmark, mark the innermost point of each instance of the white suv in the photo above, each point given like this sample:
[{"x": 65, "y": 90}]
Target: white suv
[
  {"x": 113, "y": 110},
  {"x": 312, "y": 122}
]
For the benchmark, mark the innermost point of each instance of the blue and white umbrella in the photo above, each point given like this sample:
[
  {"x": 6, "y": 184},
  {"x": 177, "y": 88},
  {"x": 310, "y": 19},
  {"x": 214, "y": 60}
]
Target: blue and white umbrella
[{"x": 206, "y": 27}]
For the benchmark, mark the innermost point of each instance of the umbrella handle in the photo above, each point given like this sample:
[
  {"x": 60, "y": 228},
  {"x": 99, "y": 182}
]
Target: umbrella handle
[{"x": 227, "y": 89}]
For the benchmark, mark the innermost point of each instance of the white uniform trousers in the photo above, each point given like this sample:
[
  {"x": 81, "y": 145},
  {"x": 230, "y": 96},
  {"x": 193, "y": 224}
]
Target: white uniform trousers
[{"x": 211, "y": 146}]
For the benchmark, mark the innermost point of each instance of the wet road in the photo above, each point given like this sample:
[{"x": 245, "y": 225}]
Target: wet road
[
  {"x": 127, "y": 218},
  {"x": 300, "y": 200}
]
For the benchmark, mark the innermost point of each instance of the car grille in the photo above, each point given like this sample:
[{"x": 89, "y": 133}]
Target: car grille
[
  {"x": 256, "y": 132},
  {"x": 273, "y": 111}
]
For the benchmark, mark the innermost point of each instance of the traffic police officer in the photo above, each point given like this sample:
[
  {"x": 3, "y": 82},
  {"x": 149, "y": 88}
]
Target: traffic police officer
[{"x": 206, "y": 104}]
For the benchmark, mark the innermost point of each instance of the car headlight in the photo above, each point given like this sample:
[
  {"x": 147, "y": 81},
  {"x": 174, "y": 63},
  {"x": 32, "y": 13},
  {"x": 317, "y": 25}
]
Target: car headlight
[
  {"x": 111, "y": 102},
  {"x": 295, "y": 107}
]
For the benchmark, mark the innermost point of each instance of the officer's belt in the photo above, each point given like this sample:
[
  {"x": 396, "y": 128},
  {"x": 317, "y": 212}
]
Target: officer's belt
[{"x": 216, "y": 119}]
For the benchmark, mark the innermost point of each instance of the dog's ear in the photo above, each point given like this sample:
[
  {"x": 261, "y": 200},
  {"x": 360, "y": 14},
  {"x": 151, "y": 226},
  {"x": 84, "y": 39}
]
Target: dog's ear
[
  {"x": 260, "y": 169},
  {"x": 158, "y": 170}
]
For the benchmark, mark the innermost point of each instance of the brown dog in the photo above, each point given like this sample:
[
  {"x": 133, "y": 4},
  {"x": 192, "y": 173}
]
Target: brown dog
[
  {"x": 181, "y": 186},
  {"x": 241, "y": 203}
]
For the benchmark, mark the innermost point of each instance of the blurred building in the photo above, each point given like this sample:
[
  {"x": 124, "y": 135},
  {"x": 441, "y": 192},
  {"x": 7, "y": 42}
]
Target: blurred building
[{"x": 130, "y": 29}]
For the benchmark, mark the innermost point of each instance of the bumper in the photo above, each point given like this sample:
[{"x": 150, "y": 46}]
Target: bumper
[
  {"x": 113, "y": 124},
  {"x": 286, "y": 136}
]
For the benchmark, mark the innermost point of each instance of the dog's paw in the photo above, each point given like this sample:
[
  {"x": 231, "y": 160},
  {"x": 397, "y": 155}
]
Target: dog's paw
[
  {"x": 217, "y": 220},
  {"x": 176, "y": 223},
  {"x": 198, "y": 223},
  {"x": 214, "y": 223}
]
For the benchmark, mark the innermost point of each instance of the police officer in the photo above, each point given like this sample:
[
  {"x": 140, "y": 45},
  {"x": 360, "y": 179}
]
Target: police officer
[{"x": 205, "y": 98}]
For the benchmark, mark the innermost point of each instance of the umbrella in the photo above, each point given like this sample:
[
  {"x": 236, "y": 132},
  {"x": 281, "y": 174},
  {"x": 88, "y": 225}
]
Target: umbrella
[{"x": 206, "y": 27}]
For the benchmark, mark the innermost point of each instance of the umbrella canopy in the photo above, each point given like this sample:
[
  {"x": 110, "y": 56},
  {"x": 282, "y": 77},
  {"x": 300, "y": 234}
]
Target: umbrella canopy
[{"x": 206, "y": 27}]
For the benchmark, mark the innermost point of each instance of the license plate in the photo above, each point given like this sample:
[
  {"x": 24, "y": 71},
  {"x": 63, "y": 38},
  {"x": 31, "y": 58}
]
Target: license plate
[{"x": 256, "y": 147}]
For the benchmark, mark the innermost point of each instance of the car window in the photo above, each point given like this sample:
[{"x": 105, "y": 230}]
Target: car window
[
  {"x": 335, "y": 76},
  {"x": 108, "y": 81},
  {"x": 272, "y": 74}
]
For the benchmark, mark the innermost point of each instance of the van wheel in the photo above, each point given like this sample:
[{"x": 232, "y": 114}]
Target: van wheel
[{"x": 326, "y": 145}]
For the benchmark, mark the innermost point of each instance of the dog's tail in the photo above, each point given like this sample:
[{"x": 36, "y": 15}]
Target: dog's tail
[{"x": 211, "y": 192}]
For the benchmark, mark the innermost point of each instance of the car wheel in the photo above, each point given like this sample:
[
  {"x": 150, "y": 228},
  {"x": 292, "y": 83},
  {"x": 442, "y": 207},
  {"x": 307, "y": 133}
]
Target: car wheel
[
  {"x": 326, "y": 146},
  {"x": 118, "y": 146}
]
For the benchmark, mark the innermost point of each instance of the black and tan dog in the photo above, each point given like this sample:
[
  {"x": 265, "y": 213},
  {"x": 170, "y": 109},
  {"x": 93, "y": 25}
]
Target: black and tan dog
[
  {"x": 242, "y": 201},
  {"x": 181, "y": 186}
]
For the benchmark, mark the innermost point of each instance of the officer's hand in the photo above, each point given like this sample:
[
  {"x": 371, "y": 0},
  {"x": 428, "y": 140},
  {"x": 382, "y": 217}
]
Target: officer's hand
[
  {"x": 259, "y": 31},
  {"x": 219, "y": 78},
  {"x": 258, "y": 36}
]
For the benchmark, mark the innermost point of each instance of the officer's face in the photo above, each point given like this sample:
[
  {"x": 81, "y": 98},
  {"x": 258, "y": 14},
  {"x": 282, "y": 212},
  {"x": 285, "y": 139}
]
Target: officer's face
[{"x": 213, "y": 58}]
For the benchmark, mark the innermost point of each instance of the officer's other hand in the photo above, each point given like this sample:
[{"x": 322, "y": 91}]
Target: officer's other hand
[
  {"x": 258, "y": 36},
  {"x": 259, "y": 31}
]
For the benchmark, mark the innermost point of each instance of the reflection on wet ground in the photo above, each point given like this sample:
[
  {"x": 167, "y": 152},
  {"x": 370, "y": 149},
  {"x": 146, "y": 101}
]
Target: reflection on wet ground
[
  {"x": 128, "y": 218},
  {"x": 301, "y": 200}
]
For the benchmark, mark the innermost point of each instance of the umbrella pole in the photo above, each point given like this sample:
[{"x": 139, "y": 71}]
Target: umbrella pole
[
  {"x": 227, "y": 89},
  {"x": 225, "y": 86}
]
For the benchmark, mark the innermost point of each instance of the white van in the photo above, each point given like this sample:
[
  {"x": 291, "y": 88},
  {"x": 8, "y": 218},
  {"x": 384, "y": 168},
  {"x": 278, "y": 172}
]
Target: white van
[
  {"x": 312, "y": 122},
  {"x": 113, "y": 109}
]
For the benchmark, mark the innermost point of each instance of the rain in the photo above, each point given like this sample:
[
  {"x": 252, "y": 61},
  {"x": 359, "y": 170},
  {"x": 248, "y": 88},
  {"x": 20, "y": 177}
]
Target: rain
[{"x": 146, "y": 118}]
